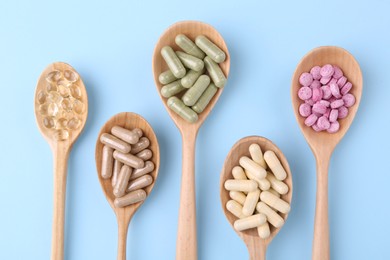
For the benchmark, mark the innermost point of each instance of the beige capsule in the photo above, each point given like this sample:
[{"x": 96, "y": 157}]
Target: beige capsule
[
  {"x": 142, "y": 144},
  {"x": 122, "y": 181},
  {"x": 145, "y": 154},
  {"x": 274, "y": 192},
  {"x": 149, "y": 167},
  {"x": 238, "y": 173},
  {"x": 264, "y": 184},
  {"x": 138, "y": 132},
  {"x": 250, "y": 202},
  {"x": 275, "y": 202},
  {"x": 129, "y": 159},
  {"x": 124, "y": 134},
  {"x": 115, "y": 173},
  {"x": 130, "y": 198},
  {"x": 238, "y": 196},
  {"x": 107, "y": 161},
  {"x": 115, "y": 143},
  {"x": 277, "y": 185},
  {"x": 249, "y": 165},
  {"x": 257, "y": 155},
  {"x": 235, "y": 208},
  {"x": 264, "y": 231},
  {"x": 274, "y": 164},
  {"x": 140, "y": 183},
  {"x": 274, "y": 218},
  {"x": 241, "y": 185},
  {"x": 250, "y": 222}
]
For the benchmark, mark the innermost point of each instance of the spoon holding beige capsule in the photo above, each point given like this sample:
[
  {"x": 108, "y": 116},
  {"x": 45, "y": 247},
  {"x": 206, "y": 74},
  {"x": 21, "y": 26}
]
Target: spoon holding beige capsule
[
  {"x": 124, "y": 214},
  {"x": 322, "y": 143},
  {"x": 186, "y": 247},
  {"x": 61, "y": 110},
  {"x": 257, "y": 246}
]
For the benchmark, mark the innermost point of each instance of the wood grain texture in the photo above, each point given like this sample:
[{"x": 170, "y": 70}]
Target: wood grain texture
[
  {"x": 61, "y": 150},
  {"x": 322, "y": 143},
  {"x": 129, "y": 121},
  {"x": 186, "y": 248},
  {"x": 256, "y": 245}
]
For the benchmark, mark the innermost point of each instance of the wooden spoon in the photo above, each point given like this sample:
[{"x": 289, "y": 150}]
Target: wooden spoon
[
  {"x": 186, "y": 239},
  {"x": 61, "y": 130},
  {"x": 256, "y": 246},
  {"x": 322, "y": 143},
  {"x": 129, "y": 121}
]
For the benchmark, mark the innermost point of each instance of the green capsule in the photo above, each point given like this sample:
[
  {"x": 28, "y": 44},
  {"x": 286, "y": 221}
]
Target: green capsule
[
  {"x": 204, "y": 100},
  {"x": 210, "y": 49},
  {"x": 193, "y": 94},
  {"x": 190, "y": 61},
  {"x": 172, "y": 89},
  {"x": 215, "y": 72},
  {"x": 166, "y": 77},
  {"x": 189, "y": 46},
  {"x": 182, "y": 110},
  {"x": 189, "y": 79},
  {"x": 173, "y": 62}
]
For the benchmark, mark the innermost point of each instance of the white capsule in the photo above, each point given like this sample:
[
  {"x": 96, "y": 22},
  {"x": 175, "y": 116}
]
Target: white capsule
[
  {"x": 249, "y": 165},
  {"x": 257, "y": 155},
  {"x": 264, "y": 231},
  {"x": 250, "y": 202},
  {"x": 238, "y": 173},
  {"x": 274, "y": 164},
  {"x": 272, "y": 217},
  {"x": 237, "y": 196},
  {"x": 264, "y": 184},
  {"x": 235, "y": 208},
  {"x": 241, "y": 185},
  {"x": 275, "y": 202},
  {"x": 274, "y": 192},
  {"x": 250, "y": 222},
  {"x": 277, "y": 185}
]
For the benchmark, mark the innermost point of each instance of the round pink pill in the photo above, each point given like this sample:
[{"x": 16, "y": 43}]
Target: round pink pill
[
  {"x": 327, "y": 70},
  {"x": 341, "y": 81},
  {"x": 305, "y": 79},
  {"x": 304, "y": 93},
  {"x": 349, "y": 100},
  {"x": 326, "y": 92},
  {"x": 332, "y": 81},
  {"x": 343, "y": 112},
  {"x": 323, "y": 123},
  {"x": 338, "y": 73},
  {"x": 310, "y": 102},
  {"x": 316, "y": 128},
  {"x": 315, "y": 84},
  {"x": 327, "y": 113},
  {"x": 319, "y": 108},
  {"x": 334, "y": 127},
  {"x": 324, "y": 102},
  {"x": 334, "y": 88},
  {"x": 311, "y": 120},
  {"x": 334, "y": 114},
  {"x": 315, "y": 72},
  {"x": 317, "y": 94},
  {"x": 337, "y": 103},
  {"x": 347, "y": 87},
  {"x": 325, "y": 80},
  {"x": 305, "y": 110}
]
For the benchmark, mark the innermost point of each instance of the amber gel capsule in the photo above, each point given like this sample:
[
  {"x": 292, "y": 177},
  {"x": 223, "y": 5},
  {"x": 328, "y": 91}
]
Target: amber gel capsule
[
  {"x": 215, "y": 72},
  {"x": 182, "y": 110},
  {"x": 189, "y": 46},
  {"x": 173, "y": 62},
  {"x": 210, "y": 49}
]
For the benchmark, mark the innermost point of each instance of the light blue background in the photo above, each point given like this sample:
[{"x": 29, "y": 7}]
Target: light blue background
[{"x": 110, "y": 43}]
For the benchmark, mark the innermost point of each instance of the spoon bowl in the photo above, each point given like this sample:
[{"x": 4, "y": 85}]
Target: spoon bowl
[
  {"x": 256, "y": 245},
  {"x": 186, "y": 240},
  {"x": 322, "y": 143},
  {"x": 129, "y": 121},
  {"x": 61, "y": 111}
]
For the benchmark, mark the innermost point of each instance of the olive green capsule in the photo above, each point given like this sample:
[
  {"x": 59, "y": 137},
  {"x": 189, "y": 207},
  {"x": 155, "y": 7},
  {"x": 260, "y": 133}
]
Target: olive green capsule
[
  {"x": 173, "y": 62},
  {"x": 190, "y": 61},
  {"x": 182, "y": 110},
  {"x": 189, "y": 46},
  {"x": 210, "y": 49},
  {"x": 193, "y": 94},
  {"x": 189, "y": 79},
  {"x": 172, "y": 89},
  {"x": 215, "y": 72},
  {"x": 204, "y": 100},
  {"x": 166, "y": 77}
]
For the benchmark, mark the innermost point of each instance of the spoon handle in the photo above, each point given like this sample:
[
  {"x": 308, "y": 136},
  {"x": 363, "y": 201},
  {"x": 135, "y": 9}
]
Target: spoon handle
[
  {"x": 257, "y": 249},
  {"x": 321, "y": 249},
  {"x": 123, "y": 226},
  {"x": 60, "y": 172},
  {"x": 186, "y": 247}
]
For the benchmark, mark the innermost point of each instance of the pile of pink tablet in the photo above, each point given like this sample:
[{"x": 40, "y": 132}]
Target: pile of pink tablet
[{"x": 325, "y": 92}]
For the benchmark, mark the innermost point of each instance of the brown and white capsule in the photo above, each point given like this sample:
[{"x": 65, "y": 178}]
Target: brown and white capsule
[
  {"x": 142, "y": 144},
  {"x": 123, "y": 179},
  {"x": 140, "y": 183},
  {"x": 124, "y": 134},
  {"x": 129, "y": 159},
  {"x": 115, "y": 173},
  {"x": 115, "y": 143},
  {"x": 130, "y": 198},
  {"x": 145, "y": 154},
  {"x": 149, "y": 167},
  {"x": 107, "y": 162}
]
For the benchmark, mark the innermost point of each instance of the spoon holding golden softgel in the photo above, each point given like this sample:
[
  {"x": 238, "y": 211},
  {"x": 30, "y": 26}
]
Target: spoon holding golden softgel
[{"x": 61, "y": 110}]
